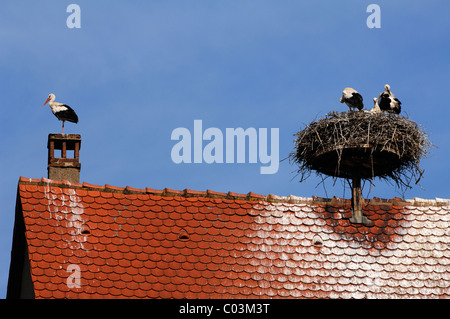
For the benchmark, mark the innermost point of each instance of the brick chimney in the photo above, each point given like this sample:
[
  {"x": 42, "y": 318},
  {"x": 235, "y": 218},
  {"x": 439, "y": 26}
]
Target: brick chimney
[{"x": 64, "y": 168}]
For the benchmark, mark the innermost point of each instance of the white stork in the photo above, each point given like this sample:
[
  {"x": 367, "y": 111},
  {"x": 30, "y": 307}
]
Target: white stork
[
  {"x": 62, "y": 111},
  {"x": 352, "y": 98},
  {"x": 376, "y": 107},
  {"x": 388, "y": 102}
]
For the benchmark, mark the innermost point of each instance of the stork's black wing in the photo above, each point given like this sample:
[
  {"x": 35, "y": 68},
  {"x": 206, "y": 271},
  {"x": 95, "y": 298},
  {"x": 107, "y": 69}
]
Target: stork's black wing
[
  {"x": 67, "y": 115},
  {"x": 384, "y": 102},
  {"x": 398, "y": 108},
  {"x": 357, "y": 100}
]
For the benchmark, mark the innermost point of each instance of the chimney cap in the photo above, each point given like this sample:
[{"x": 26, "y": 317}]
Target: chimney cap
[
  {"x": 63, "y": 168},
  {"x": 70, "y": 140}
]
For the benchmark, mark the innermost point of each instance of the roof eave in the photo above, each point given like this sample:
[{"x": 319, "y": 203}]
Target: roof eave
[{"x": 20, "y": 284}]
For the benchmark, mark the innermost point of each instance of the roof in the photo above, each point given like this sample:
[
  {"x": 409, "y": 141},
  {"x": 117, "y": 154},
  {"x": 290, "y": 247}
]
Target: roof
[{"x": 146, "y": 243}]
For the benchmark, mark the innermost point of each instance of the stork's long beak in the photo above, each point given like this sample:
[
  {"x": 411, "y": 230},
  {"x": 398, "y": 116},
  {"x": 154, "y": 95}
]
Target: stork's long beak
[{"x": 46, "y": 101}]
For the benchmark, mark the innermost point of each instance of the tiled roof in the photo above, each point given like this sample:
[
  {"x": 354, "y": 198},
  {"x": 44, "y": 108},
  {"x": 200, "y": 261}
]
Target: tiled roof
[{"x": 146, "y": 243}]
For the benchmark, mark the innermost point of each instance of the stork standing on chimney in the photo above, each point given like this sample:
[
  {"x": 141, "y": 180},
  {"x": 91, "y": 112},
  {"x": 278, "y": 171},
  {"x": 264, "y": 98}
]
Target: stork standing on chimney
[{"x": 62, "y": 111}]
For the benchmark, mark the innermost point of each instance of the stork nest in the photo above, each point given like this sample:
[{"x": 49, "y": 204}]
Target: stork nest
[{"x": 362, "y": 144}]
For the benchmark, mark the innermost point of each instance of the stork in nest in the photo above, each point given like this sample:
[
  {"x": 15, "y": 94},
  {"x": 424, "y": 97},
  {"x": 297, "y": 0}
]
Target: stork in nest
[
  {"x": 388, "y": 102},
  {"x": 352, "y": 98}
]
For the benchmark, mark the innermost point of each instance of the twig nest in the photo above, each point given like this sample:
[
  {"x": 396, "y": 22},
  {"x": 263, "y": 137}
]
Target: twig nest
[{"x": 361, "y": 144}]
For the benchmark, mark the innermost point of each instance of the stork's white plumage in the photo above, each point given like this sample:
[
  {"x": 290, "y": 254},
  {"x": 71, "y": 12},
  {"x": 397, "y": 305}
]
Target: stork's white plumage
[
  {"x": 62, "y": 111},
  {"x": 388, "y": 102},
  {"x": 352, "y": 98},
  {"x": 376, "y": 107}
]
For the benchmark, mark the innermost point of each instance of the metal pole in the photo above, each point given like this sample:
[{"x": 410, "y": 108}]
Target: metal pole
[{"x": 357, "y": 214}]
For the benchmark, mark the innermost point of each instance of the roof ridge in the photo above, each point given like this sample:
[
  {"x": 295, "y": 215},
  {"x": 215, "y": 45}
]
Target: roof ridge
[{"x": 271, "y": 198}]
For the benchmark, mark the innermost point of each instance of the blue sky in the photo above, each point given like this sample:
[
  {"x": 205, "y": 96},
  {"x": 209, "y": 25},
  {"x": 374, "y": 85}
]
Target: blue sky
[{"x": 137, "y": 70}]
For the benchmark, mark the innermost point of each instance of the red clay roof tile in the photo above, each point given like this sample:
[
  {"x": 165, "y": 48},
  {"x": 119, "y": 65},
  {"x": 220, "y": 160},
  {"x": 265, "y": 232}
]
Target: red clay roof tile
[{"x": 146, "y": 243}]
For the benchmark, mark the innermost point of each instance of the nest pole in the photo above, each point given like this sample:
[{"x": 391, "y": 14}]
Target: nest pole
[{"x": 357, "y": 214}]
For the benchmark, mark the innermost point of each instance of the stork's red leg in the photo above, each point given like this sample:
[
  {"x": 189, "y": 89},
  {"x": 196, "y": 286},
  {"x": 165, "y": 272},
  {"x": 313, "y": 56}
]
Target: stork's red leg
[{"x": 63, "y": 128}]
